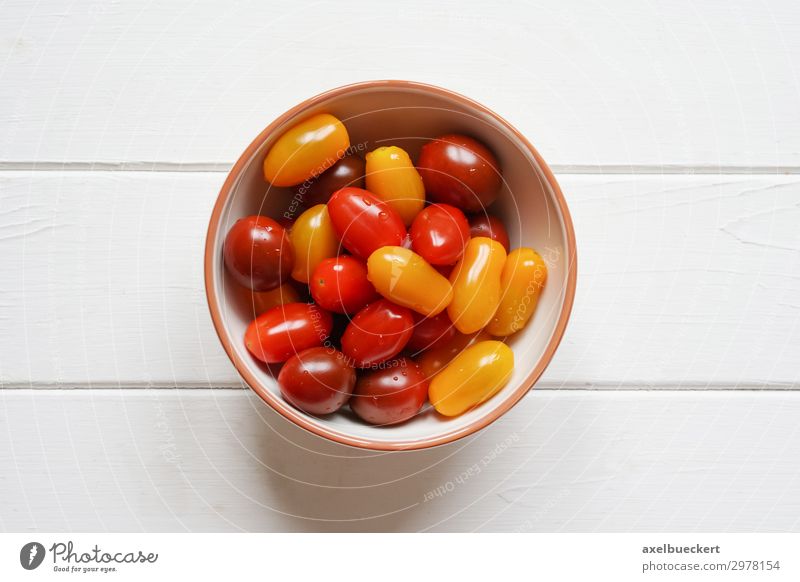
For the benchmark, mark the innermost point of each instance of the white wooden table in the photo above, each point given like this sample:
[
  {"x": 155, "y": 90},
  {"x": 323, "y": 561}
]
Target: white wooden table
[{"x": 672, "y": 404}]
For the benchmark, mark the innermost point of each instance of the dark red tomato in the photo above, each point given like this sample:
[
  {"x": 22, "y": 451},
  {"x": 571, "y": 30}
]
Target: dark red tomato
[
  {"x": 258, "y": 253},
  {"x": 349, "y": 171},
  {"x": 444, "y": 270},
  {"x": 439, "y": 234},
  {"x": 377, "y": 333},
  {"x": 278, "y": 334},
  {"x": 340, "y": 284},
  {"x": 491, "y": 227},
  {"x": 317, "y": 380},
  {"x": 390, "y": 395},
  {"x": 364, "y": 222},
  {"x": 461, "y": 171},
  {"x": 430, "y": 332},
  {"x": 286, "y": 222}
]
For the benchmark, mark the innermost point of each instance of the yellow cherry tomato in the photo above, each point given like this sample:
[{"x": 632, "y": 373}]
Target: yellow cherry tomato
[
  {"x": 314, "y": 240},
  {"x": 392, "y": 177},
  {"x": 433, "y": 360},
  {"x": 474, "y": 376},
  {"x": 522, "y": 281},
  {"x": 306, "y": 150},
  {"x": 405, "y": 278},
  {"x": 476, "y": 284}
]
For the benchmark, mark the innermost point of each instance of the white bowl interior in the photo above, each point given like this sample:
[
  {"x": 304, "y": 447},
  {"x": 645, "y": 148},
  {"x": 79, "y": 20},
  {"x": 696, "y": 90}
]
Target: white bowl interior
[{"x": 407, "y": 117}]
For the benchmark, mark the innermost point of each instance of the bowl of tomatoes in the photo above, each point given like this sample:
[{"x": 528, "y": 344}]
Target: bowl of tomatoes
[{"x": 390, "y": 265}]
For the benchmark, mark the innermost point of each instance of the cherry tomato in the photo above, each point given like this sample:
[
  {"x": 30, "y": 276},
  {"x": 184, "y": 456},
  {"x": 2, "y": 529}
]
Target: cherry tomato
[
  {"x": 286, "y": 222},
  {"x": 258, "y": 253},
  {"x": 444, "y": 270},
  {"x": 474, "y": 376},
  {"x": 377, "y": 333},
  {"x": 522, "y": 281},
  {"x": 461, "y": 171},
  {"x": 285, "y": 330},
  {"x": 317, "y": 380},
  {"x": 392, "y": 394},
  {"x": 306, "y": 150},
  {"x": 341, "y": 285},
  {"x": 392, "y": 177},
  {"x": 257, "y": 302},
  {"x": 349, "y": 171},
  {"x": 430, "y": 332},
  {"x": 405, "y": 278},
  {"x": 489, "y": 226},
  {"x": 313, "y": 239},
  {"x": 364, "y": 222},
  {"x": 476, "y": 285},
  {"x": 433, "y": 360},
  {"x": 439, "y": 234}
]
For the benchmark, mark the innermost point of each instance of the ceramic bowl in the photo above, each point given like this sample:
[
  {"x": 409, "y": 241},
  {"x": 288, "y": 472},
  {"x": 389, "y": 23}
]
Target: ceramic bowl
[{"x": 406, "y": 114}]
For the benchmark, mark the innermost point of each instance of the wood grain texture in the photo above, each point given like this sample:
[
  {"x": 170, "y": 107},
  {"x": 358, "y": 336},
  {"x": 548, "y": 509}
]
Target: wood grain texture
[
  {"x": 600, "y": 84},
  {"x": 688, "y": 282},
  {"x": 204, "y": 460}
]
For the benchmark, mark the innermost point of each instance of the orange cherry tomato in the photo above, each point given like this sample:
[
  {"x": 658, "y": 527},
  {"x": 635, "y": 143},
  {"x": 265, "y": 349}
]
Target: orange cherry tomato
[
  {"x": 523, "y": 279},
  {"x": 306, "y": 150},
  {"x": 257, "y": 302},
  {"x": 404, "y": 277},
  {"x": 392, "y": 177},
  {"x": 474, "y": 376},
  {"x": 314, "y": 240},
  {"x": 476, "y": 285}
]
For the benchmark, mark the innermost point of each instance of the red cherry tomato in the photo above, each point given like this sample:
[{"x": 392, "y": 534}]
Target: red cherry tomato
[
  {"x": 489, "y": 226},
  {"x": 430, "y": 332},
  {"x": 439, "y": 234},
  {"x": 258, "y": 253},
  {"x": 340, "y": 284},
  {"x": 281, "y": 332},
  {"x": 377, "y": 333},
  {"x": 317, "y": 380},
  {"x": 390, "y": 395},
  {"x": 364, "y": 222},
  {"x": 461, "y": 171}
]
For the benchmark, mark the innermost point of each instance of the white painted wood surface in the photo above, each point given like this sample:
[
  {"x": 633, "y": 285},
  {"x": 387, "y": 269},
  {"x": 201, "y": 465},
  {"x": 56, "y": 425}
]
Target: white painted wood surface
[
  {"x": 672, "y": 84},
  {"x": 675, "y": 135},
  {"x": 685, "y": 281},
  {"x": 559, "y": 461}
]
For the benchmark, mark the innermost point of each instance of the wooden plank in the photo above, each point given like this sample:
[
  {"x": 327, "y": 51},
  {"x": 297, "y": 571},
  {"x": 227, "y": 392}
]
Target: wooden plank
[
  {"x": 650, "y": 86},
  {"x": 204, "y": 460},
  {"x": 683, "y": 281}
]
